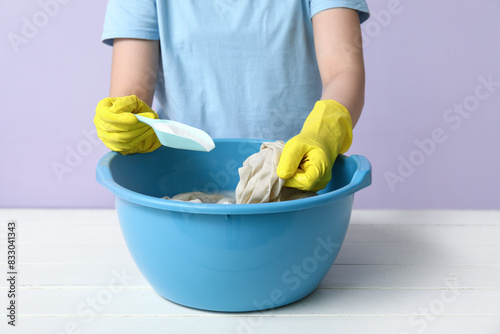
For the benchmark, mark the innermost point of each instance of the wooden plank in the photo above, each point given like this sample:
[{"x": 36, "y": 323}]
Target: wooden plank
[
  {"x": 50, "y": 217},
  {"x": 350, "y": 253},
  {"x": 364, "y": 244},
  {"x": 412, "y": 276},
  {"x": 426, "y": 217},
  {"x": 424, "y": 234},
  {"x": 55, "y": 228},
  {"x": 68, "y": 234},
  {"x": 71, "y": 233},
  {"x": 77, "y": 275},
  {"x": 58, "y": 217},
  {"x": 70, "y": 226},
  {"x": 419, "y": 254},
  {"x": 255, "y": 324},
  {"x": 119, "y": 299},
  {"x": 73, "y": 253},
  {"x": 340, "y": 276}
]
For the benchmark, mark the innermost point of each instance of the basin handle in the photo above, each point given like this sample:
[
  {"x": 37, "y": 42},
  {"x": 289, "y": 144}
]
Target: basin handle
[{"x": 362, "y": 177}]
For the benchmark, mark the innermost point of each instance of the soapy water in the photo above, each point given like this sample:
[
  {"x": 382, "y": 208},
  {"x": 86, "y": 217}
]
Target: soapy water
[
  {"x": 229, "y": 197},
  {"x": 225, "y": 197}
]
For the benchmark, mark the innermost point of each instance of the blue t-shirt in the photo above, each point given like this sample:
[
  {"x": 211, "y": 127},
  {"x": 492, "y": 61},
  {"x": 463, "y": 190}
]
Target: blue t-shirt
[{"x": 234, "y": 68}]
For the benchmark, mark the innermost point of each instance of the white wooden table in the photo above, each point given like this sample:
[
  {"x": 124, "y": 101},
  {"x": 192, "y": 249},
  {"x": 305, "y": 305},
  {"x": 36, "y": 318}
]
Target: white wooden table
[{"x": 398, "y": 272}]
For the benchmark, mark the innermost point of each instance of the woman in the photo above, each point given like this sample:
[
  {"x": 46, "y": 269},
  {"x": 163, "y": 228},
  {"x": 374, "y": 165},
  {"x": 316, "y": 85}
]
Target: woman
[{"x": 239, "y": 68}]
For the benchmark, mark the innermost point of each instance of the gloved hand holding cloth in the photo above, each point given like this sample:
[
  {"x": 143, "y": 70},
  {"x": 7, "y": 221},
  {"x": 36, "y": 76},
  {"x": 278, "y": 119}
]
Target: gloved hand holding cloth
[
  {"x": 307, "y": 159},
  {"x": 119, "y": 129}
]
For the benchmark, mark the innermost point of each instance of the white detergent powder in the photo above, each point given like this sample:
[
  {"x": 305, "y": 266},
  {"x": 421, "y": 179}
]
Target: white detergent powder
[{"x": 181, "y": 132}]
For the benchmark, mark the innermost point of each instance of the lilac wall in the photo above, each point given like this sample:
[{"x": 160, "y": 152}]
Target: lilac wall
[{"x": 430, "y": 124}]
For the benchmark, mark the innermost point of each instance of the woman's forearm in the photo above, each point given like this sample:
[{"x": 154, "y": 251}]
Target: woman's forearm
[
  {"x": 348, "y": 89},
  {"x": 134, "y": 68},
  {"x": 337, "y": 38}
]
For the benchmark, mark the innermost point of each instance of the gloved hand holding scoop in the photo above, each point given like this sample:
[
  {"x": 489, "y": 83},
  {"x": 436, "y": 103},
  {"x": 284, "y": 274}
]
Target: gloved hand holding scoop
[
  {"x": 128, "y": 125},
  {"x": 178, "y": 135}
]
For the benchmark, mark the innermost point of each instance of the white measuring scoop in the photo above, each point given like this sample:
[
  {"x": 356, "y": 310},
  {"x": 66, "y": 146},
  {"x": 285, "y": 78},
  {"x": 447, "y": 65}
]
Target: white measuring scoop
[{"x": 178, "y": 135}]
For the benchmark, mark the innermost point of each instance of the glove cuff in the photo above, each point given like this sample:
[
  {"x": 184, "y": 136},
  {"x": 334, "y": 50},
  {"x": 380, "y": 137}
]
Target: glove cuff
[{"x": 332, "y": 120}]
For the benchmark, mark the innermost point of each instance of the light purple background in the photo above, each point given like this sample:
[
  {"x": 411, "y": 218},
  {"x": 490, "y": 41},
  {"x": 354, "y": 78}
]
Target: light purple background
[{"x": 420, "y": 61}]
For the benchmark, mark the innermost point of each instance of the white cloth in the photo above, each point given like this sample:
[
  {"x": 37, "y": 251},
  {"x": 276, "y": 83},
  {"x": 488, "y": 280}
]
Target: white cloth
[{"x": 259, "y": 182}]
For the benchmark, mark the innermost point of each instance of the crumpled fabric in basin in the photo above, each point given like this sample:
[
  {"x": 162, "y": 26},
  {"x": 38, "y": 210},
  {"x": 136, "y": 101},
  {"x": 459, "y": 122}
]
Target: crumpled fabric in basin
[{"x": 259, "y": 182}]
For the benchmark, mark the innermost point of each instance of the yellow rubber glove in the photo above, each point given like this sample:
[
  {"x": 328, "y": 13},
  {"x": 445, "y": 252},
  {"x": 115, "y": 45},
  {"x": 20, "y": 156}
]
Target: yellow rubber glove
[
  {"x": 120, "y": 130},
  {"x": 307, "y": 159}
]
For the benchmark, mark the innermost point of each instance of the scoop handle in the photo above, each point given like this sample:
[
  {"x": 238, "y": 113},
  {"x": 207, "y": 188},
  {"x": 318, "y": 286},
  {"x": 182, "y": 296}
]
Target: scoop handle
[{"x": 146, "y": 120}]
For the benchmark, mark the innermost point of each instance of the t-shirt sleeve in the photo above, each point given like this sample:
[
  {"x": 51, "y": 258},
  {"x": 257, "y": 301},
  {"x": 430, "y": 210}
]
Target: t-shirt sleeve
[
  {"x": 359, "y": 5},
  {"x": 130, "y": 19}
]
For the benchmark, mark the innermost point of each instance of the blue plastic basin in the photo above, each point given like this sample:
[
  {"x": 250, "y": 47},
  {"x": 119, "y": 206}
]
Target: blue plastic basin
[{"x": 227, "y": 257}]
